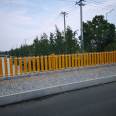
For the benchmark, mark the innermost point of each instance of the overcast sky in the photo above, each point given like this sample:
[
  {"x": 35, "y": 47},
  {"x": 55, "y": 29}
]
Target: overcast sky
[{"x": 22, "y": 20}]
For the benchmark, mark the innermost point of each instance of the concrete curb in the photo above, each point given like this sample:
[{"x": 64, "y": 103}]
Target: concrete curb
[{"x": 27, "y": 95}]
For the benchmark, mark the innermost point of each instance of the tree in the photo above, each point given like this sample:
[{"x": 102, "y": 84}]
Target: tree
[
  {"x": 35, "y": 46},
  {"x": 52, "y": 43},
  {"x": 111, "y": 47},
  {"x": 98, "y": 34},
  {"x": 44, "y": 47},
  {"x": 71, "y": 42},
  {"x": 59, "y": 42}
]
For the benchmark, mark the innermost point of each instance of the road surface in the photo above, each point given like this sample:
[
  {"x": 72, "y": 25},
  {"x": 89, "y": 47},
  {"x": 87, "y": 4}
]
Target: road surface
[{"x": 94, "y": 101}]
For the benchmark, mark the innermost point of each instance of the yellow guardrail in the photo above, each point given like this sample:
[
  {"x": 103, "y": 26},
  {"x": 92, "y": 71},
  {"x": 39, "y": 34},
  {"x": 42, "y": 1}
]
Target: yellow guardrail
[{"x": 10, "y": 67}]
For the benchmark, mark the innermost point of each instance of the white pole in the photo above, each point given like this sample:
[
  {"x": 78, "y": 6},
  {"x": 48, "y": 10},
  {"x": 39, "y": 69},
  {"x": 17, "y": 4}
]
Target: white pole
[
  {"x": 8, "y": 66},
  {"x": 3, "y": 67}
]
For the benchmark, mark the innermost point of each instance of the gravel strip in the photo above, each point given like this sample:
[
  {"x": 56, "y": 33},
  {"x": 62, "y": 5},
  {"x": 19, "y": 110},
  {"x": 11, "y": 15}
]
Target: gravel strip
[{"x": 44, "y": 80}]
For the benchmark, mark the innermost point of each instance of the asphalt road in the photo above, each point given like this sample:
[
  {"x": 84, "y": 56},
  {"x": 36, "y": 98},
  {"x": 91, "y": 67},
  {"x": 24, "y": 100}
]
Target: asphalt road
[{"x": 94, "y": 101}]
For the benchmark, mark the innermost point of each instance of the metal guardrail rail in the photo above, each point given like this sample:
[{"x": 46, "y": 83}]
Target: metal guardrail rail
[{"x": 10, "y": 67}]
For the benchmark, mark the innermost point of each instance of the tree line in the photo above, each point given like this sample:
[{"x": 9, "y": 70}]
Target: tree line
[
  {"x": 55, "y": 43},
  {"x": 99, "y": 35}
]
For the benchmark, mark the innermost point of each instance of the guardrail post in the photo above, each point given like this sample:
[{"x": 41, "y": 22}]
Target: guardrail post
[
  {"x": 103, "y": 57},
  {"x": 53, "y": 61},
  {"x": 95, "y": 58},
  {"x": 16, "y": 66},
  {"x": 89, "y": 59},
  {"x": 63, "y": 62},
  {"x": 46, "y": 63},
  {"x": 66, "y": 61},
  {"x": 59, "y": 60},
  {"x": 106, "y": 58},
  {"x": 20, "y": 65},
  {"x": 84, "y": 59},
  {"x": 49, "y": 62},
  {"x": 3, "y": 67},
  {"x": 78, "y": 62},
  {"x": 99, "y": 57},
  {"x": 25, "y": 65},
  {"x": 11, "y": 67},
  {"x": 56, "y": 62},
  {"x": 29, "y": 65},
  {"x": 69, "y": 60},
  {"x": 38, "y": 64},
  {"x": 6, "y": 68},
  {"x": 42, "y": 63},
  {"x": 115, "y": 56},
  {"x": 1, "y": 70},
  {"x": 112, "y": 56},
  {"x": 33, "y": 60},
  {"x": 75, "y": 60}
]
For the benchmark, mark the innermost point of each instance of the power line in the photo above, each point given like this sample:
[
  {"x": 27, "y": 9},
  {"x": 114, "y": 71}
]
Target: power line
[
  {"x": 81, "y": 4},
  {"x": 108, "y": 13}
]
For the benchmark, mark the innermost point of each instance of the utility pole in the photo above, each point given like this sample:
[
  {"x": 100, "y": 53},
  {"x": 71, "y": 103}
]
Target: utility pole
[
  {"x": 81, "y": 4},
  {"x": 64, "y": 16}
]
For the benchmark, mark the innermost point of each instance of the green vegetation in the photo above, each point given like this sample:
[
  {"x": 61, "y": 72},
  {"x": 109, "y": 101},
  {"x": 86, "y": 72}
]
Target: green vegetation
[
  {"x": 53, "y": 44},
  {"x": 99, "y": 35}
]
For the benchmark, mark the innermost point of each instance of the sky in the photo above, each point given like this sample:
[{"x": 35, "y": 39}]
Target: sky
[{"x": 22, "y": 20}]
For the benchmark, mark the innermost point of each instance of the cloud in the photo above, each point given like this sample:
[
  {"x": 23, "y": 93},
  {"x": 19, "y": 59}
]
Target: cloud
[{"x": 27, "y": 19}]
